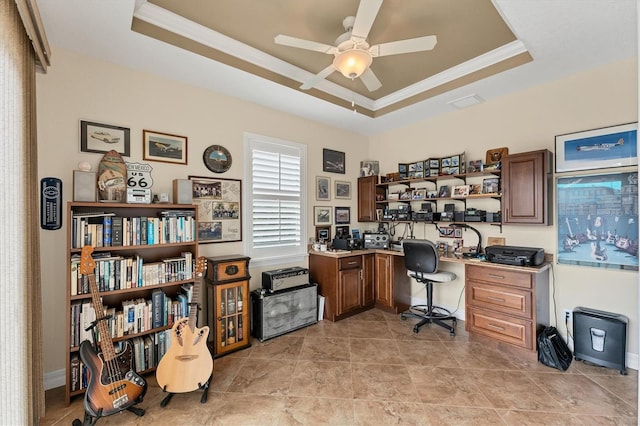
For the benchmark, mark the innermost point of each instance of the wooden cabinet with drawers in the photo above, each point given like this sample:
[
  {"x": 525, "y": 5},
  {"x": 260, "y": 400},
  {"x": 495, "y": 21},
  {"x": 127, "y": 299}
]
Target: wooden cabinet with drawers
[
  {"x": 506, "y": 303},
  {"x": 345, "y": 282}
]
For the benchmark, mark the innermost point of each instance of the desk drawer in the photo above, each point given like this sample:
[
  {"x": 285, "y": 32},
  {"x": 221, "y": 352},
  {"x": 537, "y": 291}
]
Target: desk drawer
[
  {"x": 509, "y": 300},
  {"x": 350, "y": 262},
  {"x": 499, "y": 276},
  {"x": 501, "y": 327}
]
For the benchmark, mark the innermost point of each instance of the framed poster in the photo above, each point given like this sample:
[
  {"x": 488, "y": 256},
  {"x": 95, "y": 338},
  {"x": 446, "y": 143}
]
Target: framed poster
[
  {"x": 323, "y": 188},
  {"x": 343, "y": 190},
  {"x": 219, "y": 204},
  {"x": 321, "y": 215},
  {"x": 343, "y": 215},
  {"x": 598, "y": 220},
  {"x": 597, "y": 149},
  {"x": 333, "y": 161},
  {"x": 164, "y": 147},
  {"x": 102, "y": 138}
]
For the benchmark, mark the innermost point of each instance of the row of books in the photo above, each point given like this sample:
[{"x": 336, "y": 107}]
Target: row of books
[
  {"x": 103, "y": 229},
  {"x": 136, "y": 316},
  {"x": 147, "y": 351},
  {"x": 118, "y": 272}
]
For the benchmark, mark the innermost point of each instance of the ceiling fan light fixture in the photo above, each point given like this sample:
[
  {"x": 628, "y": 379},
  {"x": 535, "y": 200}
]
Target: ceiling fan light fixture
[{"x": 353, "y": 62}]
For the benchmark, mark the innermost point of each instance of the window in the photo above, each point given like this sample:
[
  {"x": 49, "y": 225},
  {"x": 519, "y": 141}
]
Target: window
[{"x": 275, "y": 172}]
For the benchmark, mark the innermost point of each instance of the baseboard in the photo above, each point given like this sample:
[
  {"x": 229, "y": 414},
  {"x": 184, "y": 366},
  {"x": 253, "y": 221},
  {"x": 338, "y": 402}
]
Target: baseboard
[{"x": 55, "y": 379}]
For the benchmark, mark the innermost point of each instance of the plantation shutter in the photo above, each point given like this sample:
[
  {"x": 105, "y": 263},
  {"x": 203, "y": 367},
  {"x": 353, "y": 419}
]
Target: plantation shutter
[{"x": 276, "y": 199}]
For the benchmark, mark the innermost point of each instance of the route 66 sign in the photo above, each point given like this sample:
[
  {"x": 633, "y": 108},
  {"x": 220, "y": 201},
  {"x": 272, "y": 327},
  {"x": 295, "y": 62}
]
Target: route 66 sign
[{"x": 139, "y": 176}]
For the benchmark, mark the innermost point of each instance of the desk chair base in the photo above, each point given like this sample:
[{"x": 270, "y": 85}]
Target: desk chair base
[
  {"x": 437, "y": 315},
  {"x": 430, "y": 313}
]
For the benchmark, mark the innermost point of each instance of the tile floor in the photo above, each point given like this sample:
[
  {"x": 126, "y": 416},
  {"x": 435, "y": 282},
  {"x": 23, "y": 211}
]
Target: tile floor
[{"x": 371, "y": 369}]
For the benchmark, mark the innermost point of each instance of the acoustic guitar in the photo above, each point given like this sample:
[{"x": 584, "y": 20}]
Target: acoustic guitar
[
  {"x": 187, "y": 364},
  {"x": 113, "y": 385}
]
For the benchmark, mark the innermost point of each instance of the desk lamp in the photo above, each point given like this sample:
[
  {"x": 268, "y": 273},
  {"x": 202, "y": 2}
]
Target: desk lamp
[{"x": 479, "y": 248}]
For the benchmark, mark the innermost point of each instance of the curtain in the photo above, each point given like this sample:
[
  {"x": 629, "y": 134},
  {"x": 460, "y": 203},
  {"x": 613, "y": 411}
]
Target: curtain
[{"x": 21, "y": 375}]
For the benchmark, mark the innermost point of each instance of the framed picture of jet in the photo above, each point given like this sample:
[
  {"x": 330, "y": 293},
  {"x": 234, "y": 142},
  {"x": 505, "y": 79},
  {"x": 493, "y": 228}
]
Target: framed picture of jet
[
  {"x": 602, "y": 148},
  {"x": 164, "y": 147}
]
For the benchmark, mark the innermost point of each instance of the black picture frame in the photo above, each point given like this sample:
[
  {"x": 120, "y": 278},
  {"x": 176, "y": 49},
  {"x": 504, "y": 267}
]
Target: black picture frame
[
  {"x": 102, "y": 138},
  {"x": 333, "y": 161},
  {"x": 342, "y": 215}
]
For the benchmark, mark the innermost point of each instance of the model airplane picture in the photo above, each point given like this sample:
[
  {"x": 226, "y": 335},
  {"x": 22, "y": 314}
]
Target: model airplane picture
[{"x": 600, "y": 146}]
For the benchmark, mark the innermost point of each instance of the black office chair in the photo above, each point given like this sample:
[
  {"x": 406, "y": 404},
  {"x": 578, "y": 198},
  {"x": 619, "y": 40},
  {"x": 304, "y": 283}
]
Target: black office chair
[{"x": 421, "y": 261}]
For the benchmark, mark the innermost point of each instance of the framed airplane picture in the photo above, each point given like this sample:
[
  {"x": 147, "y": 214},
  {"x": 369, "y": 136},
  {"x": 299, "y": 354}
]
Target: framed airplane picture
[{"x": 597, "y": 149}]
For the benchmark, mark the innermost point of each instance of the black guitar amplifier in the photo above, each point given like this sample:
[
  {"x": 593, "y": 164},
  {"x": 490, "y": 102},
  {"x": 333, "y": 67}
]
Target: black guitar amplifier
[{"x": 274, "y": 314}]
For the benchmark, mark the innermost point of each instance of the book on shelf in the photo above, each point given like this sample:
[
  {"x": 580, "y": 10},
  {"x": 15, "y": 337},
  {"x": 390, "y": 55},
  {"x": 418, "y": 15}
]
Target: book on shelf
[{"x": 75, "y": 372}]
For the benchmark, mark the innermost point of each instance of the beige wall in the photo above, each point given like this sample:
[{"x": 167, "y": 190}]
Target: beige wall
[
  {"x": 526, "y": 121},
  {"x": 77, "y": 87}
]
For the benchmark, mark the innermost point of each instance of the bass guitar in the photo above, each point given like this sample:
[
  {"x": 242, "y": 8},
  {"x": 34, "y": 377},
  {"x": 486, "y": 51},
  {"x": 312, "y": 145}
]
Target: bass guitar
[
  {"x": 113, "y": 385},
  {"x": 187, "y": 365}
]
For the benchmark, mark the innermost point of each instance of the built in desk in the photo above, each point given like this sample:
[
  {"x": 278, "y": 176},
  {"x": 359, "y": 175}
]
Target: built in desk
[{"x": 505, "y": 303}]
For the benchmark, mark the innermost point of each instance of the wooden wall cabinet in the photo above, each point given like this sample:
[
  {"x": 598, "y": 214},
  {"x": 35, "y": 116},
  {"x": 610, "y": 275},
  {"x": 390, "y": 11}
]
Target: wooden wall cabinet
[
  {"x": 345, "y": 282},
  {"x": 367, "y": 197},
  {"x": 507, "y": 304},
  {"x": 144, "y": 256},
  {"x": 228, "y": 304},
  {"x": 525, "y": 188}
]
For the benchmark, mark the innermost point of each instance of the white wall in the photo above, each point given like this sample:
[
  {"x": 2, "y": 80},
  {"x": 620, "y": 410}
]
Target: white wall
[
  {"x": 527, "y": 121},
  {"x": 77, "y": 87}
]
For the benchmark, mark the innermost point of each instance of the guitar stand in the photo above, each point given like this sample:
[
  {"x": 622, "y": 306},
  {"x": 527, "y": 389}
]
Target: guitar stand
[
  {"x": 203, "y": 398},
  {"x": 91, "y": 419}
]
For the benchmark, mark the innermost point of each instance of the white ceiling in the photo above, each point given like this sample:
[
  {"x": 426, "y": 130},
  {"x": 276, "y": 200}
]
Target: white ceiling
[{"x": 562, "y": 36}]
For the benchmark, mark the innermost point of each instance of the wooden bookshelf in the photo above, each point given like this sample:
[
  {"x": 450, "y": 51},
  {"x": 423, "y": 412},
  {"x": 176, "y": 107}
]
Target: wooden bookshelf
[{"x": 164, "y": 261}]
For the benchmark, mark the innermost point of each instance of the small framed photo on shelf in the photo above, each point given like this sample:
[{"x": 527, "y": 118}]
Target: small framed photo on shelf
[
  {"x": 321, "y": 215},
  {"x": 475, "y": 188},
  {"x": 323, "y": 188},
  {"x": 403, "y": 170},
  {"x": 419, "y": 194},
  {"x": 475, "y": 166},
  {"x": 343, "y": 190},
  {"x": 406, "y": 195},
  {"x": 491, "y": 185},
  {"x": 445, "y": 191},
  {"x": 343, "y": 215},
  {"x": 445, "y": 162},
  {"x": 457, "y": 232},
  {"x": 461, "y": 191}
]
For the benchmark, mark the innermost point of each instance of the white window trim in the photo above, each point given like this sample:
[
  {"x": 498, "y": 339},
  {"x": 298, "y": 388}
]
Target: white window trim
[{"x": 250, "y": 141}]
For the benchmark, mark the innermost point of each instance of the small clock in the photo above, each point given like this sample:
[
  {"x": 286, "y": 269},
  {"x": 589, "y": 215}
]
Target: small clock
[{"x": 217, "y": 158}]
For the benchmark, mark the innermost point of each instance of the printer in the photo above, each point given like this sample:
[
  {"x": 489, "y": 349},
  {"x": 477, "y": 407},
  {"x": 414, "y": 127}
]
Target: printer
[{"x": 512, "y": 255}]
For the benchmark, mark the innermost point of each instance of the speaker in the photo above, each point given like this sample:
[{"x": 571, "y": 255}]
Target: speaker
[
  {"x": 600, "y": 337},
  {"x": 274, "y": 314},
  {"x": 182, "y": 191},
  {"x": 84, "y": 186}
]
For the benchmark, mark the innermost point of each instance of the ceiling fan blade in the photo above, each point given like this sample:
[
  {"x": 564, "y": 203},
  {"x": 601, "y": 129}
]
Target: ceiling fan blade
[
  {"x": 318, "y": 77},
  {"x": 370, "y": 80},
  {"x": 304, "y": 44},
  {"x": 418, "y": 44},
  {"x": 367, "y": 12}
]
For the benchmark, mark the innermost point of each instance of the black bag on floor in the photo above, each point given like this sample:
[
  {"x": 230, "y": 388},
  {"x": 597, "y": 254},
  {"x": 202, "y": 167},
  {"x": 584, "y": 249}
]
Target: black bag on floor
[{"x": 552, "y": 349}]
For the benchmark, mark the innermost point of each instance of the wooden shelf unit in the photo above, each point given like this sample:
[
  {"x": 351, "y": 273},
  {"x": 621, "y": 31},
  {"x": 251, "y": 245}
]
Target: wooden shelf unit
[{"x": 161, "y": 254}]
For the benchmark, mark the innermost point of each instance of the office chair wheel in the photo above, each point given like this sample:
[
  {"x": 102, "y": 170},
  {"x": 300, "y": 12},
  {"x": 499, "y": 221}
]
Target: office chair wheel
[
  {"x": 452, "y": 333},
  {"x": 403, "y": 317},
  {"x": 416, "y": 329}
]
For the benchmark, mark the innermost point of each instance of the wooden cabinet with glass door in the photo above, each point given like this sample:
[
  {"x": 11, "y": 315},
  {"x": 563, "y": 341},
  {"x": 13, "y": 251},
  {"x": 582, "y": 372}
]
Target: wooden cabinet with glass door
[{"x": 228, "y": 304}]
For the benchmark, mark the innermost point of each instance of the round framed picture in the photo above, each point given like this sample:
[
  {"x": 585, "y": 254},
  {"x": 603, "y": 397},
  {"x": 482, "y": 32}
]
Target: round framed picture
[{"x": 217, "y": 158}]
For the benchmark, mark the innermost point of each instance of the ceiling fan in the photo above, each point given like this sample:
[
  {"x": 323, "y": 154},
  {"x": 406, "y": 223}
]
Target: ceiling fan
[{"x": 352, "y": 54}]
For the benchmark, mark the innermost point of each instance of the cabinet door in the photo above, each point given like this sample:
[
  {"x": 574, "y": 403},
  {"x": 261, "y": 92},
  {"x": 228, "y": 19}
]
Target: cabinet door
[
  {"x": 349, "y": 290},
  {"x": 525, "y": 188},
  {"x": 384, "y": 281},
  {"x": 367, "y": 198},
  {"x": 368, "y": 278},
  {"x": 232, "y": 316}
]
